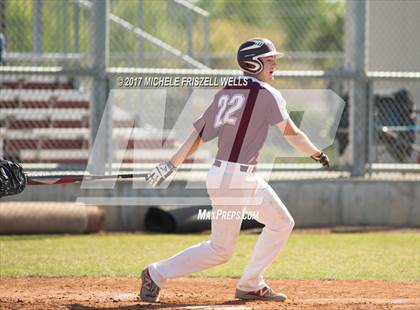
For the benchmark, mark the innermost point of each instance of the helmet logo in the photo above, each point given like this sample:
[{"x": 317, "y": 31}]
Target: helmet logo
[
  {"x": 255, "y": 66},
  {"x": 256, "y": 44}
]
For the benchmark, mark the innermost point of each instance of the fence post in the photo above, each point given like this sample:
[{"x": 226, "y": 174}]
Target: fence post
[
  {"x": 370, "y": 124},
  {"x": 2, "y": 16},
  {"x": 141, "y": 25},
  {"x": 57, "y": 25},
  {"x": 76, "y": 25},
  {"x": 356, "y": 63},
  {"x": 101, "y": 141},
  {"x": 66, "y": 38},
  {"x": 37, "y": 34},
  {"x": 207, "y": 40},
  {"x": 189, "y": 32}
]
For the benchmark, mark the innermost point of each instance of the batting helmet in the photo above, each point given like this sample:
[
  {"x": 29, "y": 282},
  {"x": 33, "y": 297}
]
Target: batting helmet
[{"x": 250, "y": 52}]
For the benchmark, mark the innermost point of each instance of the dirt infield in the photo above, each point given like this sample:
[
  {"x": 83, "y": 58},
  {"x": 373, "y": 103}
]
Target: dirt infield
[{"x": 202, "y": 293}]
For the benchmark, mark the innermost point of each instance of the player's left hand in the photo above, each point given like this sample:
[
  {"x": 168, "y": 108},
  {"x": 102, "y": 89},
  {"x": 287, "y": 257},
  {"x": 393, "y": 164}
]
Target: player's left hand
[
  {"x": 160, "y": 173},
  {"x": 12, "y": 178},
  {"x": 322, "y": 158}
]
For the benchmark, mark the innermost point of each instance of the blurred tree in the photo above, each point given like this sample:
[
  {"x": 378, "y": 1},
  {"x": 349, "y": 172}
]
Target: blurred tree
[
  {"x": 294, "y": 25},
  {"x": 311, "y": 25}
]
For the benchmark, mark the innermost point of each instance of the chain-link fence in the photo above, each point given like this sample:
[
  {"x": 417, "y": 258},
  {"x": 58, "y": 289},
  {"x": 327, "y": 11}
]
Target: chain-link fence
[
  {"x": 210, "y": 31},
  {"x": 41, "y": 33},
  {"x": 44, "y": 119},
  {"x": 395, "y": 130},
  {"x": 160, "y": 33},
  {"x": 48, "y": 118}
]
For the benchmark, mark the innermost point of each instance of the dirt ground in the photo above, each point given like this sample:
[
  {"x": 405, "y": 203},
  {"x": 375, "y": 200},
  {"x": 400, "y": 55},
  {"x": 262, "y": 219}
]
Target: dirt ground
[{"x": 202, "y": 293}]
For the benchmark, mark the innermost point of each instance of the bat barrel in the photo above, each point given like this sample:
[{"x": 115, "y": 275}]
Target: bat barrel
[{"x": 67, "y": 179}]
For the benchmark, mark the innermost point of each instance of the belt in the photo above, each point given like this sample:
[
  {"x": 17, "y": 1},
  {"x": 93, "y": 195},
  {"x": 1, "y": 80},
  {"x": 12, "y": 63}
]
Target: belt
[{"x": 243, "y": 168}]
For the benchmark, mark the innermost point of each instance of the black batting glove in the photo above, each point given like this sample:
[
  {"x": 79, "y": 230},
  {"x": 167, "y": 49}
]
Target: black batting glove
[
  {"x": 12, "y": 178},
  {"x": 322, "y": 158},
  {"x": 160, "y": 173}
]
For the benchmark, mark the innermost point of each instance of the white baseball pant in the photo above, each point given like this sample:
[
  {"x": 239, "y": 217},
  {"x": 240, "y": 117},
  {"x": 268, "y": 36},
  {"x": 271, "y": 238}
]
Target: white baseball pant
[{"x": 232, "y": 190}]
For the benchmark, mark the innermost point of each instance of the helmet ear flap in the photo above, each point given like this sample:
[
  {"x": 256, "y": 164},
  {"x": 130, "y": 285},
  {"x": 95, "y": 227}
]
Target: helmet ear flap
[{"x": 253, "y": 66}]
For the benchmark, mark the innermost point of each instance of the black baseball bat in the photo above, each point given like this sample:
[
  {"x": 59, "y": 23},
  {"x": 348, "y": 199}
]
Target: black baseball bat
[{"x": 75, "y": 178}]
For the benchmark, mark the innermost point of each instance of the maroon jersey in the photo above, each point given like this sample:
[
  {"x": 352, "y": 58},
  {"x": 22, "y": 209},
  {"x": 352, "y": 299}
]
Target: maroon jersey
[{"x": 240, "y": 117}]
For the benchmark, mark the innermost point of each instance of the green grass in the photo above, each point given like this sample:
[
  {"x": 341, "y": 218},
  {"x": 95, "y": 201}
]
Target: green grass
[{"x": 386, "y": 256}]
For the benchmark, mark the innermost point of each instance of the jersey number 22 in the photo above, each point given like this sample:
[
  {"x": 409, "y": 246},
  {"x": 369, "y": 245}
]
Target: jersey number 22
[{"x": 227, "y": 106}]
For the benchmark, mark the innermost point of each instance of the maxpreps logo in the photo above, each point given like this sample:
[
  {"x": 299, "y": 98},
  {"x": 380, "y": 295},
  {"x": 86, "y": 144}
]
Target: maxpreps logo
[{"x": 220, "y": 214}]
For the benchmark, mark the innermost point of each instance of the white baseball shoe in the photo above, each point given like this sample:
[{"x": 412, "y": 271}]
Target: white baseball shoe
[
  {"x": 149, "y": 290},
  {"x": 266, "y": 293}
]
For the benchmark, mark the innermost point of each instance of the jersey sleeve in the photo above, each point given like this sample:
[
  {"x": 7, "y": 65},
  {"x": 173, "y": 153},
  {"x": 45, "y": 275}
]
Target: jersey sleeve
[
  {"x": 277, "y": 109},
  {"x": 204, "y": 125}
]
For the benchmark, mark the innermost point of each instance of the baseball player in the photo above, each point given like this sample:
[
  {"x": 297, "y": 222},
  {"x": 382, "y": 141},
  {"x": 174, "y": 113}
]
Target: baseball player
[{"x": 239, "y": 117}]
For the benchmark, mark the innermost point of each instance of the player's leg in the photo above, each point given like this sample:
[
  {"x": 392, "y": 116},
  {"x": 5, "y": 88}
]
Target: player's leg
[
  {"x": 278, "y": 226},
  {"x": 217, "y": 250}
]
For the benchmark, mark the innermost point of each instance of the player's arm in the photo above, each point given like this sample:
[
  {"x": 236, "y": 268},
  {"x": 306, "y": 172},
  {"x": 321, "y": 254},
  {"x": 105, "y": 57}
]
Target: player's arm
[
  {"x": 186, "y": 149},
  {"x": 300, "y": 141},
  {"x": 203, "y": 132}
]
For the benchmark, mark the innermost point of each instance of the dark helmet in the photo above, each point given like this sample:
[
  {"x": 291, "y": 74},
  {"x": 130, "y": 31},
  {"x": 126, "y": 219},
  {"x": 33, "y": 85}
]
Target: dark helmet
[{"x": 250, "y": 51}]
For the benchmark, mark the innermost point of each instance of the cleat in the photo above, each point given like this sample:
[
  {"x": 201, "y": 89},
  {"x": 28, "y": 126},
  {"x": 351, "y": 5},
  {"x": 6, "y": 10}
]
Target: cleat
[
  {"x": 266, "y": 293},
  {"x": 149, "y": 290}
]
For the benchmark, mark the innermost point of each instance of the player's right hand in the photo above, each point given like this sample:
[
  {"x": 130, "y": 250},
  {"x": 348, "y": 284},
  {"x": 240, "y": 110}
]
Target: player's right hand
[
  {"x": 160, "y": 173},
  {"x": 322, "y": 158},
  {"x": 12, "y": 178}
]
